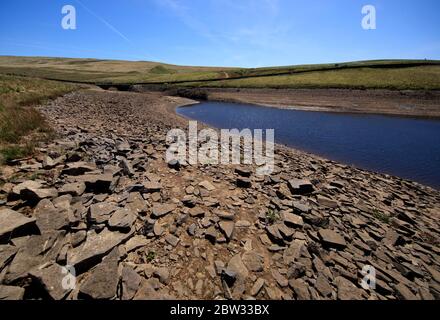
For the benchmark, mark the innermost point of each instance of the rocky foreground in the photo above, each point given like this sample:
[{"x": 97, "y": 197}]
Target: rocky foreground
[{"x": 102, "y": 199}]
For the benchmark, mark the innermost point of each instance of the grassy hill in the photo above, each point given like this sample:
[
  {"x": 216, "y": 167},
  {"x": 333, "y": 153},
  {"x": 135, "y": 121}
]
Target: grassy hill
[{"x": 386, "y": 74}]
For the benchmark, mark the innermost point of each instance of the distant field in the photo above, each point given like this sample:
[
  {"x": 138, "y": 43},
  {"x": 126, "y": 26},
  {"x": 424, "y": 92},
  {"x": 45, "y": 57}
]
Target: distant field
[{"x": 378, "y": 74}]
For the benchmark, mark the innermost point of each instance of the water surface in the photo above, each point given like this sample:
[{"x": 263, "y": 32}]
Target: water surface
[{"x": 405, "y": 147}]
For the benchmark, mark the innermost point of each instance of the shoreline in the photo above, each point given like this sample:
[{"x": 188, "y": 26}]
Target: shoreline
[
  {"x": 417, "y": 104},
  {"x": 123, "y": 213}
]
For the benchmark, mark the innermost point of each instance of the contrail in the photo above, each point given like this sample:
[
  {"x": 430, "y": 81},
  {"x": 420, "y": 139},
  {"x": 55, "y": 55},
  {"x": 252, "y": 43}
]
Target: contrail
[{"x": 105, "y": 22}]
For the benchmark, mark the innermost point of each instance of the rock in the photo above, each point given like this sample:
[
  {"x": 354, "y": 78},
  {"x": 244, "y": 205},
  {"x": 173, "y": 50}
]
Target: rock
[
  {"x": 131, "y": 281},
  {"x": 225, "y": 215},
  {"x": 122, "y": 219},
  {"x": 172, "y": 240},
  {"x": 101, "y": 212},
  {"x": 293, "y": 252},
  {"x": 404, "y": 293},
  {"x": 152, "y": 187},
  {"x": 127, "y": 168},
  {"x": 327, "y": 202},
  {"x": 33, "y": 251},
  {"x": 96, "y": 246},
  {"x": 30, "y": 184},
  {"x": 244, "y": 172},
  {"x": 323, "y": 286},
  {"x": 279, "y": 278},
  {"x": 162, "y": 274},
  {"x": 207, "y": 185},
  {"x": 135, "y": 243},
  {"x": 274, "y": 234},
  {"x": 78, "y": 168},
  {"x": 75, "y": 189},
  {"x": 123, "y": 147},
  {"x": 197, "y": 212},
  {"x": 300, "y": 288},
  {"x": 332, "y": 239},
  {"x": 256, "y": 288},
  {"x": 11, "y": 293},
  {"x": 253, "y": 261},
  {"x": 244, "y": 182},
  {"x": 293, "y": 220},
  {"x": 14, "y": 223},
  {"x": 97, "y": 183},
  {"x": 174, "y": 164},
  {"x": 161, "y": 210},
  {"x": 300, "y": 187},
  {"x": 33, "y": 191},
  {"x": 227, "y": 227},
  {"x": 347, "y": 290},
  {"x": 50, "y": 277},
  {"x": 300, "y": 208},
  {"x": 7, "y": 253},
  {"x": 211, "y": 234},
  {"x": 103, "y": 281},
  {"x": 236, "y": 265},
  {"x": 50, "y": 218}
]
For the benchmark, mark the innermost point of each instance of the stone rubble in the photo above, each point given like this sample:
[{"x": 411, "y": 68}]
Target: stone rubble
[{"x": 135, "y": 227}]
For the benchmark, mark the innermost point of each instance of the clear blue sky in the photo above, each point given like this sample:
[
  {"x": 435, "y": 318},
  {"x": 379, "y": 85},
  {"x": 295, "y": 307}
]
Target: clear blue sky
[{"x": 248, "y": 33}]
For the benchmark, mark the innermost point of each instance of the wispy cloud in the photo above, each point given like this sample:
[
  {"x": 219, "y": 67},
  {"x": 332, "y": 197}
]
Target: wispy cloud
[{"x": 105, "y": 22}]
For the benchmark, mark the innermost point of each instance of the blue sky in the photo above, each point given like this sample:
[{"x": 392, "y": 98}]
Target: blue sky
[{"x": 248, "y": 33}]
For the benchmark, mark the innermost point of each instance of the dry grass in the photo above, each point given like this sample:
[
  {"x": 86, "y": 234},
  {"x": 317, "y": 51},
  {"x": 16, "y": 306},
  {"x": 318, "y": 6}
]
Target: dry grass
[{"x": 21, "y": 126}]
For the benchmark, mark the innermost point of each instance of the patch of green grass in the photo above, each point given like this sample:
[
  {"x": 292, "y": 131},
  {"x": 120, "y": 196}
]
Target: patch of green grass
[
  {"x": 381, "y": 216},
  {"x": 150, "y": 256},
  {"x": 272, "y": 216},
  {"x": 161, "y": 70},
  {"x": 21, "y": 125},
  {"x": 12, "y": 152}
]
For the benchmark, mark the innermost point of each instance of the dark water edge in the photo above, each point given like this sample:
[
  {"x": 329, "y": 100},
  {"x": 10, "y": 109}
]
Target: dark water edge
[{"x": 405, "y": 147}]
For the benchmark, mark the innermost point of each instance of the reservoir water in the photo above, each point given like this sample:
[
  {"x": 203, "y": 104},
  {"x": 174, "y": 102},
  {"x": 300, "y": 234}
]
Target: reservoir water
[{"x": 404, "y": 147}]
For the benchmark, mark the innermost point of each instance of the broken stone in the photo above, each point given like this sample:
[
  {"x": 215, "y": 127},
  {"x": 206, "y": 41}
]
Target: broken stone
[
  {"x": 75, "y": 189},
  {"x": 11, "y": 293},
  {"x": 332, "y": 239},
  {"x": 96, "y": 246},
  {"x": 122, "y": 219},
  {"x": 131, "y": 281},
  {"x": 101, "y": 212},
  {"x": 294, "y": 220},
  {"x": 161, "y": 210},
  {"x": 103, "y": 281},
  {"x": 253, "y": 261},
  {"x": 207, "y": 185},
  {"x": 227, "y": 227},
  {"x": 51, "y": 277},
  {"x": 14, "y": 223},
  {"x": 50, "y": 218},
  {"x": 300, "y": 187}
]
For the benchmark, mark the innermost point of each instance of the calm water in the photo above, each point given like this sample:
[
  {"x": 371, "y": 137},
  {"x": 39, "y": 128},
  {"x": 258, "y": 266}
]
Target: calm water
[{"x": 405, "y": 147}]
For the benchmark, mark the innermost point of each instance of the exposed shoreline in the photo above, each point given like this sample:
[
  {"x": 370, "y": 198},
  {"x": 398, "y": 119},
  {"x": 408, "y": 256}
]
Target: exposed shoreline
[
  {"x": 418, "y": 104},
  {"x": 165, "y": 232}
]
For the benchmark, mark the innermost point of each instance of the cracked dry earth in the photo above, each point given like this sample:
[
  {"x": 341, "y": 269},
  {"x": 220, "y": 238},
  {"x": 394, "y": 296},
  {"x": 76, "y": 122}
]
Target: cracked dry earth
[{"x": 101, "y": 198}]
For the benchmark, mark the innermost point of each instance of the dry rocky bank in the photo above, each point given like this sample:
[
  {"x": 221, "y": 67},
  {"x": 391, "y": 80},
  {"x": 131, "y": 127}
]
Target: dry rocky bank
[{"x": 102, "y": 199}]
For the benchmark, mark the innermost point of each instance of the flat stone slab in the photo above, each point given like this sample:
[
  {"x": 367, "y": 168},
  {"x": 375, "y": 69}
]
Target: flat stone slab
[
  {"x": 95, "y": 247},
  {"x": 11, "y": 221},
  {"x": 332, "y": 239}
]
